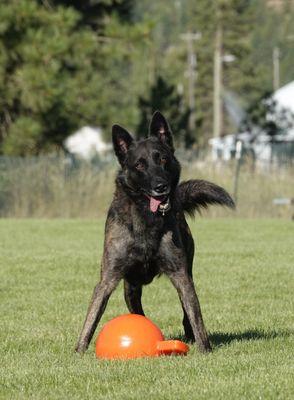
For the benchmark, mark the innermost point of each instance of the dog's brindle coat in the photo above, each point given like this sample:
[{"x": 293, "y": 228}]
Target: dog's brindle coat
[{"x": 146, "y": 233}]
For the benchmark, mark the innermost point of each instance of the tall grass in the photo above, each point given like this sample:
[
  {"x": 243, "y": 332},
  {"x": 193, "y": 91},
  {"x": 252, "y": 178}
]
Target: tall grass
[
  {"x": 51, "y": 187},
  {"x": 256, "y": 188}
]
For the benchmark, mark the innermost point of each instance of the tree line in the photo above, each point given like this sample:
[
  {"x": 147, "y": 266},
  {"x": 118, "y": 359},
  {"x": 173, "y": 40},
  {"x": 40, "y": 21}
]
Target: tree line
[{"x": 64, "y": 64}]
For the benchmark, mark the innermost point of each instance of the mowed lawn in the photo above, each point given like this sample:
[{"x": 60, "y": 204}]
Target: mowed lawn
[{"x": 245, "y": 281}]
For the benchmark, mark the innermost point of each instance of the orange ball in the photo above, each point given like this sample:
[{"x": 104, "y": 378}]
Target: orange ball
[{"x": 133, "y": 336}]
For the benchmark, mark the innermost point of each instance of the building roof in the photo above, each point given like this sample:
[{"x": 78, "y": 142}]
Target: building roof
[{"x": 285, "y": 96}]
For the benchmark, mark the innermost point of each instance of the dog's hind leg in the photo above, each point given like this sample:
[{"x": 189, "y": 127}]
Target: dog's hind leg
[
  {"x": 133, "y": 296},
  {"x": 96, "y": 308}
]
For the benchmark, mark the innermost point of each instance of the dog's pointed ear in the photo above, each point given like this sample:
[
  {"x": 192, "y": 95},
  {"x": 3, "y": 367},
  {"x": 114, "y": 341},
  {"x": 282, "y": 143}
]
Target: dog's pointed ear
[
  {"x": 121, "y": 140},
  {"x": 159, "y": 127}
]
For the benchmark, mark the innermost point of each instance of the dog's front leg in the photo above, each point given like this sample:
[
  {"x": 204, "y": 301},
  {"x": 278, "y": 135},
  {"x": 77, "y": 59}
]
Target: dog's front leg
[
  {"x": 186, "y": 290},
  {"x": 96, "y": 308}
]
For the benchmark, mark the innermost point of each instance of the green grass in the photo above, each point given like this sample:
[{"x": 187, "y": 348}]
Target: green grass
[{"x": 244, "y": 276}]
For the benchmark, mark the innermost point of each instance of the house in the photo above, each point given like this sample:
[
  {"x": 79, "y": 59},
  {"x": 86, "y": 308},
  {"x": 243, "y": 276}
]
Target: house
[{"x": 263, "y": 149}]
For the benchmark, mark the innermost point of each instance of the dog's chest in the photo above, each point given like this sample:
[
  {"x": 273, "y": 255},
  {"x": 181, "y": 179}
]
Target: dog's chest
[
  {"x": 146, "y": 245},
  {"x": 147, "y": 233},
  {"x": 142, "y": 265},
  {"x": 144, "y": 251}
]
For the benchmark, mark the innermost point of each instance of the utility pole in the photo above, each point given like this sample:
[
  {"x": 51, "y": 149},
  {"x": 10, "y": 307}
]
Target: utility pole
[
  {"x": 276, "y": 63},
  {"x": 192, "y": 64},
  {"x": 217, "y": 84},
  {"x": 276, "y": 68}
]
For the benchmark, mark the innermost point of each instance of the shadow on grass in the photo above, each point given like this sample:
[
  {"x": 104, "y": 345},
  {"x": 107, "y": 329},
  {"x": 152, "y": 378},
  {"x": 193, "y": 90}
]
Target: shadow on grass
[
  {"x": 219, "y": 339},
  {"x": 223, "y": 338}
]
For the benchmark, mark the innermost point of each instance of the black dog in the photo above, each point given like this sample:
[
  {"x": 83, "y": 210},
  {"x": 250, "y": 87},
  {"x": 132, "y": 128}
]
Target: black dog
[{"x": 146, "y": 233}]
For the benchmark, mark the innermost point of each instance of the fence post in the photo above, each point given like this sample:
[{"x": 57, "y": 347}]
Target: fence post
[{"x": 238, "y": 156}]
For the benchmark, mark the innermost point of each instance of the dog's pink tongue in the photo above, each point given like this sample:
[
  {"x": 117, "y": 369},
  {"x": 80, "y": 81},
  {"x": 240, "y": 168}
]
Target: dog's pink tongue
[{"x": 154, "y": 204}]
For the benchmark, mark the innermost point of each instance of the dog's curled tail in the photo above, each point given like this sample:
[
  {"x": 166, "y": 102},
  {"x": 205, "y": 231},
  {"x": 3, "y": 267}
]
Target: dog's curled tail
[{"x": 196, "y": 194}]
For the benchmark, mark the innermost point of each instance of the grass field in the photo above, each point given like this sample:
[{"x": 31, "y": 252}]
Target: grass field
[{"x": 244, "y": 275}]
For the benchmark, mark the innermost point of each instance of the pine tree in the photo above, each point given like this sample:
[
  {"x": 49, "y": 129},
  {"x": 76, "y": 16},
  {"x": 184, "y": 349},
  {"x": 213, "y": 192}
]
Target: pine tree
[
  {"x": 233, "y": 20},
  {"x": 163, "y": 96},
  {"x": 274, "y": 30},
  {"x": 92, "y": 12},
  {"x": 56, "y": 75}
]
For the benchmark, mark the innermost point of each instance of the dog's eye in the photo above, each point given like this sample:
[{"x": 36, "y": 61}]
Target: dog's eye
[
  {"x": 163, "y": 161},
  {"x": 139, "y": 166}
]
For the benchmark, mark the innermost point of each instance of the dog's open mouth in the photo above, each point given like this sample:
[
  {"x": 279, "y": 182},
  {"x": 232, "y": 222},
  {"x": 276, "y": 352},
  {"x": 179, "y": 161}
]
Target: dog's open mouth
[
  {"x": 156, "y": 202},
  {"x": 160, "y": 203}
]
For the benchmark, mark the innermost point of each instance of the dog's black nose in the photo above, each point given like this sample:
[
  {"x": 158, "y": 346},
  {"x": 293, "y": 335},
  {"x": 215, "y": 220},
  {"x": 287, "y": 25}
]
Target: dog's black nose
[{"x": 161, "y": 187}]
